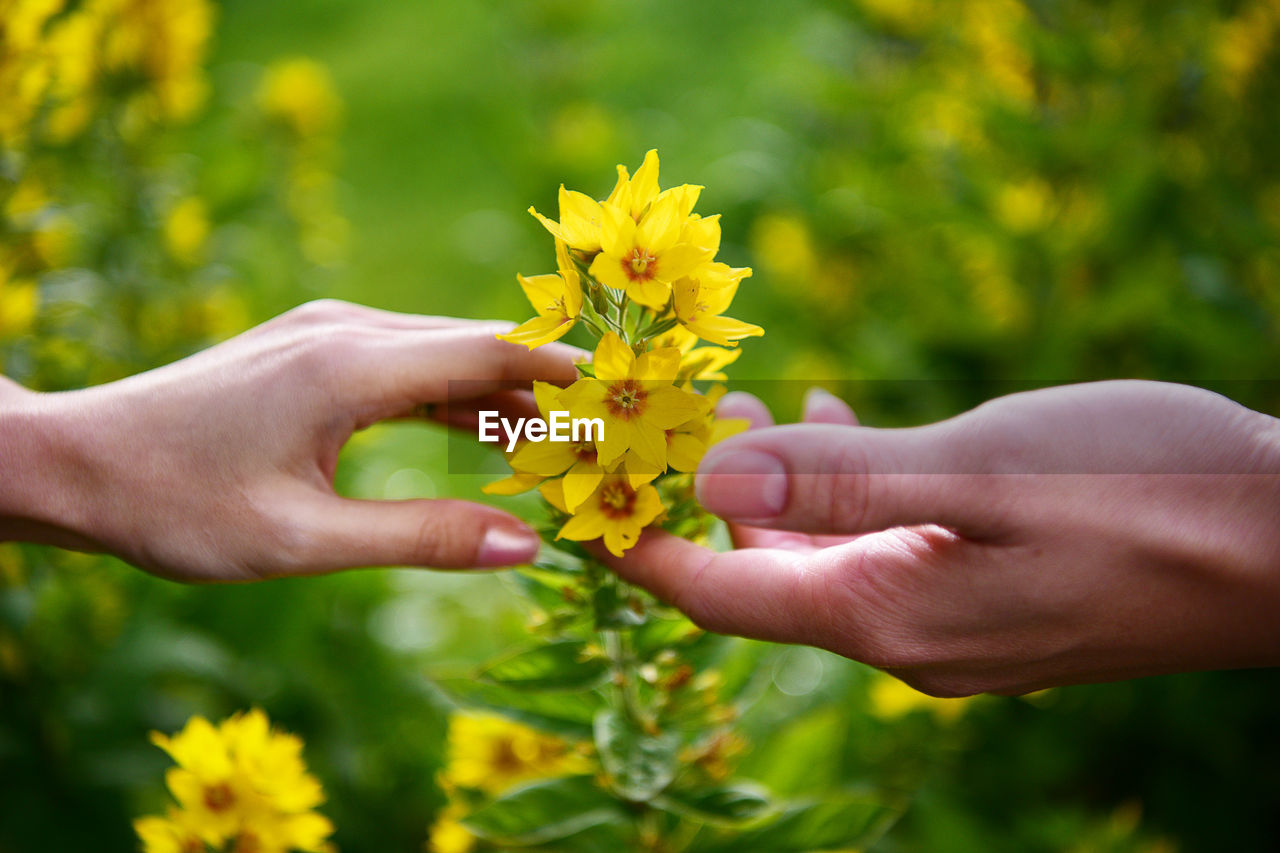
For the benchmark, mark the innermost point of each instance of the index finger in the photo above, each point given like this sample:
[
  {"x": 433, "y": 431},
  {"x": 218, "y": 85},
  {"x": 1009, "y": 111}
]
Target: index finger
[{"x": 403, "y": 369}]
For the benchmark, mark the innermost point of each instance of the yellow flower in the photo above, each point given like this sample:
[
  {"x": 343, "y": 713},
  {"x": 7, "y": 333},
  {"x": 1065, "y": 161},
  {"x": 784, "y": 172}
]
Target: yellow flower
[
  {"x": 186, "y": 228},
  {"x": 171, "y": 834},
  {"x": 579, "y": 224},
  {"x": 241, "y": 781},
  {"x": 701, "y": 363},
  {"x": 273, "y": 761},
  {"x": 699, "y": 307},
  {"x": 19, "y": 302},
  {"x": 633, "y": 194},
  {"x": 644, "y": 257},
  {"x": 891, "y": 699},
  {"x": 448, "y": 835},
  {"x": 284, "y": 833},
  {"x": 300, "y": 94},
  {"x": 206, "y": 782},
  {"x": 558, "y": 300},
  {"x": 489, "y": 753},
  {"x": 635, "y": 399},
  {"x": 616, "y": 511},
  {"x": 576, "y": 460},
  {"x": 688, "y": 443}
]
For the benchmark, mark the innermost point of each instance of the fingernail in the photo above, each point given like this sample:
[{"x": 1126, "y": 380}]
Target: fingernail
[
  {"x": 743, "y": 484},
  {"x": 507, "y": 546}
]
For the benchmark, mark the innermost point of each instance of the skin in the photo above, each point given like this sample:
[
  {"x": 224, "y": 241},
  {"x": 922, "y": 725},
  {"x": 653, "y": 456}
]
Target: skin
[
  {"x": 220, "y": 467},
  {"x": 1069, "y": 535}
]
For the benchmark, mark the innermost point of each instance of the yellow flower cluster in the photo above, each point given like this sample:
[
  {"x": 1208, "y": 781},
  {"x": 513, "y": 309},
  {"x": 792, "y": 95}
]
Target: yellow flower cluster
[
  {"x": 638, "y": 270},
  {"x": 298, "y": 98},
  {"x": 239, "y": 784},
  {"x": 491, "y": 754},
  {"x": 57, "y": 59}
]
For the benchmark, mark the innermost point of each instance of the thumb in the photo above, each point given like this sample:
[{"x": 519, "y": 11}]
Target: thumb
[
  {"x": 824, "y": 478},
  {"x": 343, "y": 533}
]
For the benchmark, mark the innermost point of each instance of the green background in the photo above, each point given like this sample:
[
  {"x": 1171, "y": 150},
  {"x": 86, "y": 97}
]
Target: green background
[{"x": 938, "y": 200}]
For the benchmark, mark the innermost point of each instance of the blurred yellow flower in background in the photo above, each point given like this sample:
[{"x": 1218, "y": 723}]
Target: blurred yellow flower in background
[
  {"x": 300, "y": 94},
  {"x": 890, "y": 699},
  {"x": 486, "y": 752},
  {"x": 239, "y": 782},
  {"x": 186, "y": 228}
]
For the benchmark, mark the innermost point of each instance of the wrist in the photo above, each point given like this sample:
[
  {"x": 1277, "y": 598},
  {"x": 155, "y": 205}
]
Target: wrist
[{"x": 42, "y": 480}]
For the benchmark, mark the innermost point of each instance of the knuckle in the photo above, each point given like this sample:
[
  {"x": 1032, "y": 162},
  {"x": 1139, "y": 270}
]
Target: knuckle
[
  {"x": 839, "y": 498},
  {"x": 321, "y": 311},
  {"x": 445, "y": 542}
]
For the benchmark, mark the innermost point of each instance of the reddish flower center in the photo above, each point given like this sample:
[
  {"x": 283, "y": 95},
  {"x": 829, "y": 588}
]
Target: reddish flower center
[
  {"x": 625, "y": 399},
  {"x": 617, "y": 500},
  {"x": 585, "y": 450},
  {"x": 219, "y": 798},
  {"x": 248, "y": 842},
  {"x": 640, "y": 265}
]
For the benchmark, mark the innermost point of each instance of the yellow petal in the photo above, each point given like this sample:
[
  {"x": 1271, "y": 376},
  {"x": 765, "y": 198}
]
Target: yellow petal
[
  {"x": 616, "y": 440},
  {"x": 648, "y": 506},
  {"x": 543, "y": 292},
  {"x": 680, "y": 260},
  {"x": 621, "y": 195},
  {"x": 703, "y": 232},
  {"x": 648, "y": 441},
  {"x": 550, "y": 225},
  {"x": 609, "y": 271},
  {"x": 538, "y": 331},
  {"x": 685, "y": 298},
  {"x": 545, "y": 458},
  {"x": 658, "y": 365},
  {"x": 651, "y": 292},
  {"x": 587, "y": 525},
  {"x": 581, "y": 480},
  {"x": 547, "y": 396},
  {"x": 723, "y": 428},
  {"x": 638, "y": 471},
  {"x": 617, "y": 231},
  {"x": 613, "y": 359},
  {"x": 516, "y": 484},
  {"x": 725, "y": 331},
  {"x": 660, "y": 228},
  {"x": 552, "y": 492},
  {"x": 572, "y": 280},
  {"x": 671, "y": 407},
  {"x": 685, "y": 451},
  {"x": 644, "y": 186},
  {"x": 618, "y": 537},
  {"x": 580, "y": 220}
]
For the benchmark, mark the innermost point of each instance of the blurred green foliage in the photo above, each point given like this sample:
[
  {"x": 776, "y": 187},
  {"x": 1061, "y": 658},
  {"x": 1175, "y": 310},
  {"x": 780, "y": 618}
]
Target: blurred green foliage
[{"x": 940, "y": 198}]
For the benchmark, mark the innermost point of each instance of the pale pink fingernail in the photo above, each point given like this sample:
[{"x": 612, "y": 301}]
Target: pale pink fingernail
[
  {"x": 507, "y": 546},
  {"x": 743, "y": 484}
]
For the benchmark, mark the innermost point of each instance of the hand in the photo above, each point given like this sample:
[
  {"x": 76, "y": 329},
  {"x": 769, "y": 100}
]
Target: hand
[
  {"x": 220, "y": 467},
  {"x": 1075, "y": 534}
]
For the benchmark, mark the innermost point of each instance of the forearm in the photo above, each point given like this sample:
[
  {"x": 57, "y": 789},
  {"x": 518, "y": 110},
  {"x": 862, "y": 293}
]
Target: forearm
[{"x": 43, "y": 482}]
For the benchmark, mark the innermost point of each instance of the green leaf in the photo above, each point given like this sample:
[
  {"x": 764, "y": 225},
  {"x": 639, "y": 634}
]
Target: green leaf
[
  {"x": 834, "y": 823},
  {"x": 566, "y": 713},
  {"x": 662, "y": 633},
  {"x": 640, "y": 764},
  {"x": 797, "y": 757},
  {"x": 725, "y": 805},
  {"x": 614, "y": 609},
  {"x": 544, "y": 812},
  {"x": 556, "y": 666},
  {"x": 586, "y": 369}
]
